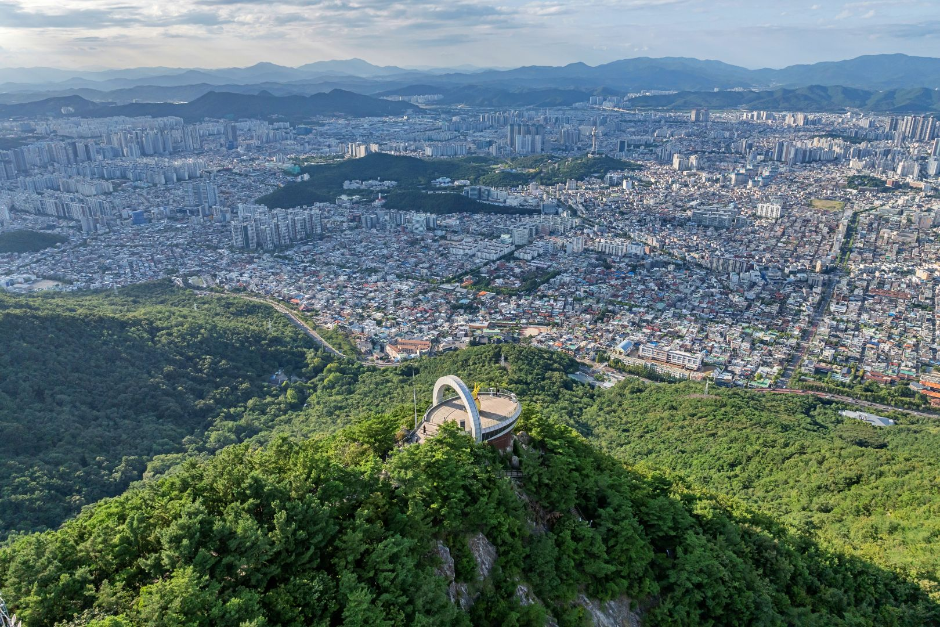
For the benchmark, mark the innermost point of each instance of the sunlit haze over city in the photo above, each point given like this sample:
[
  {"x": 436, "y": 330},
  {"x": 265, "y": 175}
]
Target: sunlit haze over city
[{"x": 472, "y": 313}]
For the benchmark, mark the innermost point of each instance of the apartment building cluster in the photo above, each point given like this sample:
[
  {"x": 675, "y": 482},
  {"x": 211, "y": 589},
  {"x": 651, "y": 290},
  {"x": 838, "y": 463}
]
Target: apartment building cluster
[{"x": 257, "y": 227}]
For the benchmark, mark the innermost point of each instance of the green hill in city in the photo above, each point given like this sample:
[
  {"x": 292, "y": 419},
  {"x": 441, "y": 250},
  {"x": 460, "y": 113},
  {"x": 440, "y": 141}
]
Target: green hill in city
[
  {"x": 25, "y": 241},
  {"x": 294, "y": 504},
  {"x": 326, "y": 180},
  {"x": 412, "y": 174}
]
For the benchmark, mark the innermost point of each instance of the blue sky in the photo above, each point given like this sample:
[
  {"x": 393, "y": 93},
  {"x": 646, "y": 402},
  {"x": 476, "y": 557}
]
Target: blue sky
[{"x": 504, "y": 33}]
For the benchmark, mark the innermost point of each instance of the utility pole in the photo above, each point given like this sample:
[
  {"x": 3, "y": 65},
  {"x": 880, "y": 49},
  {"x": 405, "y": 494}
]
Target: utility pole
[{"x": 414, "y": 392}]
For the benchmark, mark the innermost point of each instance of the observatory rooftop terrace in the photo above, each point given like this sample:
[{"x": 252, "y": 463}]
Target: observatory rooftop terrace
[{"x": 494, "y": 421}]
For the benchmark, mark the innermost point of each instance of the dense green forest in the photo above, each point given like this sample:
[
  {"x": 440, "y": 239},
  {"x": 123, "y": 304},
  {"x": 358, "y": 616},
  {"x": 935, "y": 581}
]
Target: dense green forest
[
  {"x": 28, "y": 241},
  {"x": 93, "y": 387},
  {"x": 506, "y": 178},
  {"x": 99, "y": 390},
  {"x": 861, "y": 180},
  {"x": 890, "y": 517},
  {"x": 345, "y": 530},
  {"x": 411, "y": 173},
  {"x": 898, "y": 394},
  {"x": 866, "y": 490}
]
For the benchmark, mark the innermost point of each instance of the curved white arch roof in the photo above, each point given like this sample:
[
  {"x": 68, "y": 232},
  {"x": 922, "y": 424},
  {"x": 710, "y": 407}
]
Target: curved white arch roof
[{"x": 450, "y": 381}]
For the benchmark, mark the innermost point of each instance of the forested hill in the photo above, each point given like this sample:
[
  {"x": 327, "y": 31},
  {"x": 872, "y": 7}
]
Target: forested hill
[
  {"x": 93, "y": 388},
  {"x": 350, "y": 530},
  {"x": 412, "y": 174},
  {"x": 222, "y": 105},
  {"x": 296, "y": 507}
]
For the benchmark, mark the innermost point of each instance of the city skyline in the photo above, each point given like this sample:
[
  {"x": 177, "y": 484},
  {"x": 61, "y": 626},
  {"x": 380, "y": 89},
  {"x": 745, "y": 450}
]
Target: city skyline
[{"x": 83, "y": 34}]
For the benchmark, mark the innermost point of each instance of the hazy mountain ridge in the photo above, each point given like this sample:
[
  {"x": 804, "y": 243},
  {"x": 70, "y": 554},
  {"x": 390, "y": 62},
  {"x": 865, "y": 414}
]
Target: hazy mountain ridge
[
  {"x": 223, "y": 105},
  {"x": 817, "y": 98},
  {"x": 890, "y": 82},
  {"x": 889, "y": 71},
  {"x": 201, "y": 101}
]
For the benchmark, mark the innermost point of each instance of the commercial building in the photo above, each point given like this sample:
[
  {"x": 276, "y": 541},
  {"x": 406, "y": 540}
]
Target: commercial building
[
  {"x": 718, "y": 217},
  {"x": 699, "y": 115},
  {"x": 674, "y": 357},
  {"x": 407, "y": 349}
]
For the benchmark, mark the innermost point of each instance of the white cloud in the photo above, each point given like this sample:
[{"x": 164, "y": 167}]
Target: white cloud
[{"x": 213, "y": 33}]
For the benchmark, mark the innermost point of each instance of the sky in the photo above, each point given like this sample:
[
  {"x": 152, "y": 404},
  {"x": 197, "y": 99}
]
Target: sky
[{"x": 489, "y": 33}]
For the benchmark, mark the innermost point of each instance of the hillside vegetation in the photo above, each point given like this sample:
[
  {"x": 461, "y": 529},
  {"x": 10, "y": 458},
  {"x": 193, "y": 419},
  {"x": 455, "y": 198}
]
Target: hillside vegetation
[
  {"x": 28, "y": 241},
  {"x": 326, "y": 180},
  {"x": 866, "y": 490},
  {"x": 93, "y": 387},
  {"x": 412, "y": 174},
  {"x": 773, "y": 508},
  {"x": 351, "y": 530}
]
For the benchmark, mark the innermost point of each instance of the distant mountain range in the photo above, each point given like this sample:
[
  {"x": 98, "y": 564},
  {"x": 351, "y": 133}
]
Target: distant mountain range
[
  {"x": 167, "y": 76},
  {"x": 519, "y": 87},
  {"x": 891, "y": 71},
  {"x": 684, "y": 74},
  {"x": 222, "y": 105},
  {"x": 813, "y": 98}
]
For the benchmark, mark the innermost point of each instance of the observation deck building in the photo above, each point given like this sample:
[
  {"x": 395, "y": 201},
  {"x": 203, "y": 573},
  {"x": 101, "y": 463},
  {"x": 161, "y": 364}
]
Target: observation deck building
[{"x": 489, "y": 415}]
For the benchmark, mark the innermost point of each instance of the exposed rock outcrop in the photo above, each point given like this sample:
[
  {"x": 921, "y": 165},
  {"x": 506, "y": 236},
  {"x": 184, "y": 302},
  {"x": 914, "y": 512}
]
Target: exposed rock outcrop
[
  {"x": 614, "y": 613},
  {"x": 457, "y": 592},
  {"x": 484, "y": 553}
]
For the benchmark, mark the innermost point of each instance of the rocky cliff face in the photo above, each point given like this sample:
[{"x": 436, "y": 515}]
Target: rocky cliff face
[
  {"x": 613, "y": 613},
  {"x": 458, "y": 592}
]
